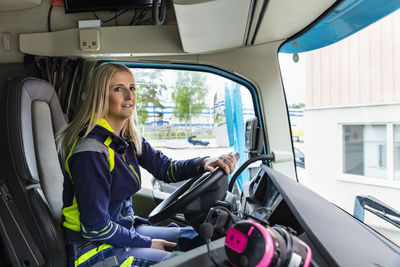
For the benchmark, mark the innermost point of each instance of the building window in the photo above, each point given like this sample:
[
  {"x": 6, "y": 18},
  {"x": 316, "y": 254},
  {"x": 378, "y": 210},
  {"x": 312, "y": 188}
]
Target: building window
[{"x": 364, "y": 150}]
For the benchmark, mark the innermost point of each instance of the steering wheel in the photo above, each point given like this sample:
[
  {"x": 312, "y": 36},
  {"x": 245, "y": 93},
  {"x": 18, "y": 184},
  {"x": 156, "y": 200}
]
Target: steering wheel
[
  {"x": 269, "y": 157},
  {"x": 185, "y": 194},
  {"x": 194, "y": 188}
]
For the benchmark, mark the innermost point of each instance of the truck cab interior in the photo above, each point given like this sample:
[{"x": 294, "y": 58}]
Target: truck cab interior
[{"x": 48, "y": 51}]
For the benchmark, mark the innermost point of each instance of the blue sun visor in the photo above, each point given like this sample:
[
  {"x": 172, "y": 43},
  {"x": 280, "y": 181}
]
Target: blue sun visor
[{"x": 348, "y": 17}]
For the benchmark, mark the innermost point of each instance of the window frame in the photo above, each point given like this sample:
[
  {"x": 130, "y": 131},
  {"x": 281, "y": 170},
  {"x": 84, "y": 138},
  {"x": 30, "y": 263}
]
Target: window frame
[
  {"x": 255, "y": 96},
  {"x": 232, "y": 76}
]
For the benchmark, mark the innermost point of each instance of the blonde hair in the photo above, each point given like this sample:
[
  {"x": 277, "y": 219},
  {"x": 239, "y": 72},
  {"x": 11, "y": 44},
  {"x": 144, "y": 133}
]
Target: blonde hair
[{"x": 94, "y": 108}]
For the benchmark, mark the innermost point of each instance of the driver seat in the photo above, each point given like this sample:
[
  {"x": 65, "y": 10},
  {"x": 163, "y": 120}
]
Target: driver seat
[{"x": 30, "y": 116}]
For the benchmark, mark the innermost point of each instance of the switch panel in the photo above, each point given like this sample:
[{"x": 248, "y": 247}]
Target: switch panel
[{"x": 89, "y": 39}]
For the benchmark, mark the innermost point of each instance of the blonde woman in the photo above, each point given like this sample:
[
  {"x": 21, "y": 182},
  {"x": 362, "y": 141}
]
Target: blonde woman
[{"x": 103, "y": 151}]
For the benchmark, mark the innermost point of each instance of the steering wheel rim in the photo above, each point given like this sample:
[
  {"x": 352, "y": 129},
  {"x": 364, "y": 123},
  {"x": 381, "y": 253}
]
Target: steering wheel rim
[
  {"x": 185, "y": 194},
  {"x": 269, "y": 157}
]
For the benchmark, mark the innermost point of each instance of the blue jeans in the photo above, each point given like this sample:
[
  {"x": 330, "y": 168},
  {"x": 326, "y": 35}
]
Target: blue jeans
[{"x": 185, "y": 237}]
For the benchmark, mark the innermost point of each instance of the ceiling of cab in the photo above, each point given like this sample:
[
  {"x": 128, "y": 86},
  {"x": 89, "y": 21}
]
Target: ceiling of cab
[
  {"x": 212, "y": 25},
  {"x": 284, "y": 18},
  {"x": 190, "y": 27}
]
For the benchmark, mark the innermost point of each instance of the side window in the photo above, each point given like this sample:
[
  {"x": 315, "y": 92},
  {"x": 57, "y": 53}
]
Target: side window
[{"x": 188, "y": 114}]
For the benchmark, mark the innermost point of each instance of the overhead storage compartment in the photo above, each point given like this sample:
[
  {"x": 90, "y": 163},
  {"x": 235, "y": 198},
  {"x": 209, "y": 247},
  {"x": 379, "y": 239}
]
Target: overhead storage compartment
[
  {"x": 122, "y": 41},
  {"x": 201, "y": 28}
]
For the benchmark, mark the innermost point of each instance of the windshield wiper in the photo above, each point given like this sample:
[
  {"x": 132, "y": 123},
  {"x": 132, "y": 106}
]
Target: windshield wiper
[{"x": 376, "y": 207}]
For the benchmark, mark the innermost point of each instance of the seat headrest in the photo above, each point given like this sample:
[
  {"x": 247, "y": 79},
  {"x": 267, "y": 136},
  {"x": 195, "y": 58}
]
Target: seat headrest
[{"x": 19, "y": 95}]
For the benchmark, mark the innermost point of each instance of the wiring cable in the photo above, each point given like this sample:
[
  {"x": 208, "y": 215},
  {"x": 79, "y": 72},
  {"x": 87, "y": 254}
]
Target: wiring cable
[
  {"x": 49, "y": 18},
  {"x": 137, "y": 17},
  {"x": 59, "y": 3},
  {"x": 141, "y": 16},
  {"x": 146, "y": 22},
  {"x": 159, "y": 9},
  {"x": 133, "y": 17},
  {"x": 112, "y": 18}
]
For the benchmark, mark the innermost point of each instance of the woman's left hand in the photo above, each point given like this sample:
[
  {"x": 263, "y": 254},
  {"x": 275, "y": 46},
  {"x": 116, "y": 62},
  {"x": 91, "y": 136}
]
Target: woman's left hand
[{"x": 227, "y": 162}]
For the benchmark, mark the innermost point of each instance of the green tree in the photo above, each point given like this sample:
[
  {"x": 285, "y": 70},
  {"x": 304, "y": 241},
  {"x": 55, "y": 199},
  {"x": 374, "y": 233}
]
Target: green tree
[
  {"x": 188, "y": 95},
  {"x": 149, "y": 89}
]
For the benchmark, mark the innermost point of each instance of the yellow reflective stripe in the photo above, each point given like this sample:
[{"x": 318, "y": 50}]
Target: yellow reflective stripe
[
  {"x": 172, "y": 171},
  {"x": 134, "y": 150},
  {"x": 96, "y": 232},
  {"x": 108, "y": 141},
  {"x": 130, "y": 166},
  {"x": 89, "y": 237},
  {"x": 128, "y": 262},
  {"x": 104, "y": 123},
  {"x": 71, "y": 215},
  {"x": 69, "y": 155},
  {"x": 169, "y": 178},
  {"x": 137, "y": 176},
  {"x": 91, "y": 253},
  {"x": 110, "y": 158}
]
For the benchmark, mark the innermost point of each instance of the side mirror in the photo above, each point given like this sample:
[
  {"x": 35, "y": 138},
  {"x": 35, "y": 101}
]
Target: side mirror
[{"x": 254, "y": 137}]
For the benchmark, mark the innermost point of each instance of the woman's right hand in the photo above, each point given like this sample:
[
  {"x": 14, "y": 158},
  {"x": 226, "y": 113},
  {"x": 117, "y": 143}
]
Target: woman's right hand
[{"x": 161, "y": 244}]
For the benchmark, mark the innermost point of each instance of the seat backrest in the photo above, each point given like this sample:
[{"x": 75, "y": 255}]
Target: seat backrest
[{"x": 30, "y": 116}]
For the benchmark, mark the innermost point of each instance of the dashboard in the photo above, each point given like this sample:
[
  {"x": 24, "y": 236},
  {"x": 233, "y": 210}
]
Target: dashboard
[{"x": 334, "y": 236}]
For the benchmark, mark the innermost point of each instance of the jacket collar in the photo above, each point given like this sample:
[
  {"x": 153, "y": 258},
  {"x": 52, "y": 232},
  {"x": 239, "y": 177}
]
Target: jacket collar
[
  {"x": 104, "y": 129},
  {"x": 104, "y": 123}
]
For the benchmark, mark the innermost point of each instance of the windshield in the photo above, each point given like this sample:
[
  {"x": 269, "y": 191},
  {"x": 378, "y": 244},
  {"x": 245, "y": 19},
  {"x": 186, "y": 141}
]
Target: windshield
[{"x": 344, "y": 106}]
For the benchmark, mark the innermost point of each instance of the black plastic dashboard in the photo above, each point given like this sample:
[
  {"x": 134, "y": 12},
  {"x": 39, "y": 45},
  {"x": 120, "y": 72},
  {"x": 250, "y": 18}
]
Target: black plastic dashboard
[
  {"x": 334, "y": 236},
  {"x": 340, "y": 239}
]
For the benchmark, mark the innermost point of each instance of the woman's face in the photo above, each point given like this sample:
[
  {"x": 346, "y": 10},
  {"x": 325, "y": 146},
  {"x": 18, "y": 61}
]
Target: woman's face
[{"x": 122, "y": 96}]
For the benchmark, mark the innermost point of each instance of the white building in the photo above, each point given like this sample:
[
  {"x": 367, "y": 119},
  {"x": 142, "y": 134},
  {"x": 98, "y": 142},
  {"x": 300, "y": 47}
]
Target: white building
[{"x": 352, "y": 116}]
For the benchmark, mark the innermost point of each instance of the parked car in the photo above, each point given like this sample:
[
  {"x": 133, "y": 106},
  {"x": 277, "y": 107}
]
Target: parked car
[
  {"x": 164, "y": 187},
  {"x": 299, "y": 158}
]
